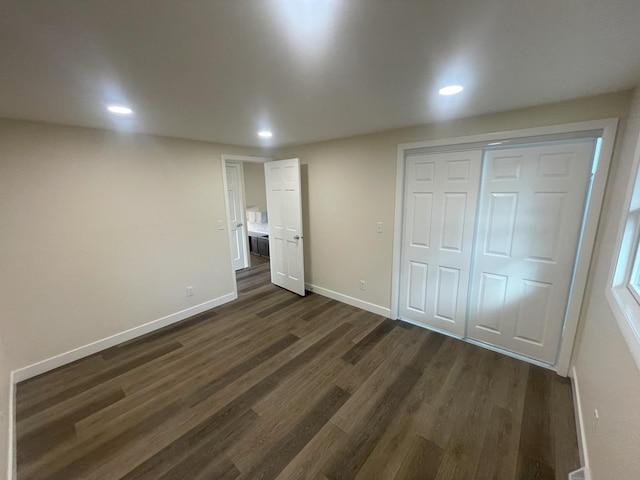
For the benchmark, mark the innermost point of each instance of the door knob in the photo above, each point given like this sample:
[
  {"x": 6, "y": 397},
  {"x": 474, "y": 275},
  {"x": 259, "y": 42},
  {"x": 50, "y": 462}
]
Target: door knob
[
  {"x": 297, "y": 237},
  {"x": 239, "y": 225}
]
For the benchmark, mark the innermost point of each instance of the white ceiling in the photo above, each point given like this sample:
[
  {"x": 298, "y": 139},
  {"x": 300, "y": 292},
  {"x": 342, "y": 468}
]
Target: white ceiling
[{"x": 306, "y": 69}]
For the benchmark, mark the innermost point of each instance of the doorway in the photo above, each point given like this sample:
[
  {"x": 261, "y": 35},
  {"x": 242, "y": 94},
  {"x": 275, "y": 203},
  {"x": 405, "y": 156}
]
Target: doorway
[
  {"x": 245, "y": 204},
  {"x": 276, "y": 185}
]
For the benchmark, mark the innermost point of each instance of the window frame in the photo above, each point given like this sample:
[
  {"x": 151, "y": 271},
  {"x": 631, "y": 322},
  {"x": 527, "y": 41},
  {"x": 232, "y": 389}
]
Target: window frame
[
  {"x": 632, "y": 279},
  {"x": 623, "y": 288}
]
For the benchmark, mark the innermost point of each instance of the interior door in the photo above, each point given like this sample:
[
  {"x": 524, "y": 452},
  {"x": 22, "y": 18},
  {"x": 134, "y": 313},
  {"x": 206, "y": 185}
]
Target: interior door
[
  {"x": 441, "y": 191},
  {"x": 237, "y": 228},
  {"x": 284, "y": 204},
  {"x": 531, "y": 213}
]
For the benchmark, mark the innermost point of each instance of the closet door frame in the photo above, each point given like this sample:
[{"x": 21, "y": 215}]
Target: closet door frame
[{"x": 604, "y": 129}]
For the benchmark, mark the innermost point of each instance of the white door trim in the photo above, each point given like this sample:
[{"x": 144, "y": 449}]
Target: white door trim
[
  {"x": 245, "y": 158},
  {"x": 606, "y": 128},
  {"x": 223, "y": 165}
]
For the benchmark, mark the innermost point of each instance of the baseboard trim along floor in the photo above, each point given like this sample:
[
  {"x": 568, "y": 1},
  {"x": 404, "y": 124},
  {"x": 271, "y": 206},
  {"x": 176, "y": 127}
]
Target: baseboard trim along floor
[{"x": 99, "y": 345}]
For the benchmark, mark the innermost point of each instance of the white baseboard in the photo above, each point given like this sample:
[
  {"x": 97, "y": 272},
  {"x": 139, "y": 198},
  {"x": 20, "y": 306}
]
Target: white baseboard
[
  {"x": 354, "y": 302},
  {"x": 95, "y": 347},
  {"x": 11, "y": 421},
  {"x": 580, "y": 422}
]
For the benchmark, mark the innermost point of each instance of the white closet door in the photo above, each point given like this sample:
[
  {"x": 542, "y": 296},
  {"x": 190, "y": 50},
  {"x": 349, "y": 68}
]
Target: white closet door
[
  {"x": 441, "y": 191},
  {"x": 530, "y": 218}
]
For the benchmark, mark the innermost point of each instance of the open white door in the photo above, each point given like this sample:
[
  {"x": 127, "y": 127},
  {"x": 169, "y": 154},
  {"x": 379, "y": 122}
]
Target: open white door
[
  {"x": 235, "y": 215},
  {"x": 284, "y": 204}
]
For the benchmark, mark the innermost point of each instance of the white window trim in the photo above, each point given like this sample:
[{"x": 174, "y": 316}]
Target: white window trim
[{"x": 625, "y": 303}]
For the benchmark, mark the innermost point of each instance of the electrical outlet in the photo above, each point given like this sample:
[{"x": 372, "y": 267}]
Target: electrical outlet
[
  {"x": 220, "y": 224},
  {"x": 379, "y": 228},
  {"x": 594, "y": 422},
  {"x": 363, "y": 285},
  {"x": 189, "y": 291}
]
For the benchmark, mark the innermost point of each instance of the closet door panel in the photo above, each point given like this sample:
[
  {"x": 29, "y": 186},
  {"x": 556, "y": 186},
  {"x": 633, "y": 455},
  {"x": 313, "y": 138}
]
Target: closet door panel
[
  {"x": 440, "y": 208},
  {"x": 530, "y": 218}
]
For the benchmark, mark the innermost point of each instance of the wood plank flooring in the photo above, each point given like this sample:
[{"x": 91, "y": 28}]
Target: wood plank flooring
[{"x": 276, "y": 386}]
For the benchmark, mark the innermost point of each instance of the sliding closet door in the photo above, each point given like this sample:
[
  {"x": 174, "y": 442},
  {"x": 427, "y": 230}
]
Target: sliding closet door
[
  {"x": 441, "y": 191},
  {"x": 530, "y": 218}
]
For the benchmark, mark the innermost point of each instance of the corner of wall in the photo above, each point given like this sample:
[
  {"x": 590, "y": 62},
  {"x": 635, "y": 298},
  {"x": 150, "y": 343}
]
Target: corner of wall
[
  {"x": 11, "y": 427},
  {"x": 579, "y": 418},
  {"x": 104, "y": 343}
]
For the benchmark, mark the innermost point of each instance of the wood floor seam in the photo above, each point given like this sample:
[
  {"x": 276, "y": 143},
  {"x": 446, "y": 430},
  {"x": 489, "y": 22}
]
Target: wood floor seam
[{"x": 278, "y": 386}]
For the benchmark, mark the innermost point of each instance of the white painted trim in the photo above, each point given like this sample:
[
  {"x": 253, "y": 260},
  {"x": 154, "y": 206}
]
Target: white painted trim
[
  {"x": 99, "y": 345},
  {"x": 354, "y": 302},
  {"x": 623, "y": 305},
  {"x": 397, "y": 233},
  {"x": 247, "y": 250},
  {"x": 244, "y": 220},
  {"x": 246, "y": 158},
  {"x": 513, "y": 134},
  {"x": 580, "y": 423},
  {"x": 624, "y": 313},
  {"x": 11, "y": 421},
  {"x": 608, "y": 128},
  {"x": 587, "y": 241}
]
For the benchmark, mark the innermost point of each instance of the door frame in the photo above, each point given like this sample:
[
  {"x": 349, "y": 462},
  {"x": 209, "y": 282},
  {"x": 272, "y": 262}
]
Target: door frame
[
  {"x": 224, "y": 158},
  {"x": 605, "y": 129}
]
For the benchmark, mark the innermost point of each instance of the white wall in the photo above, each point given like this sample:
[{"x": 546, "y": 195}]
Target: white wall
[
  {"x": 254, "y": 186},
  {"x": 608, "y": 377},
  {"x": 102, "y": 232},
  {"x": 350, "y": 185}
]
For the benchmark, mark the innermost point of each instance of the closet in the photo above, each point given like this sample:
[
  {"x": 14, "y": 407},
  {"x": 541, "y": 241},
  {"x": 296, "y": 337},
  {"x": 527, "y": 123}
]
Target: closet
[{"x": 489, "y": 241}]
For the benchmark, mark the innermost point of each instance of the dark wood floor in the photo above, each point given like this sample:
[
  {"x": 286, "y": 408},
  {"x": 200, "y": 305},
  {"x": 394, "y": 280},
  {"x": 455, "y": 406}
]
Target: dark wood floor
[{"x": 278, "y": 386}]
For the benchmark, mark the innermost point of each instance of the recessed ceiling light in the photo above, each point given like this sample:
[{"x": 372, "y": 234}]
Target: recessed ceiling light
[
  {"x": 451, "y": 90},
  {"x": 265, "y": 134},
  {"x": 119, "y": 109}
]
